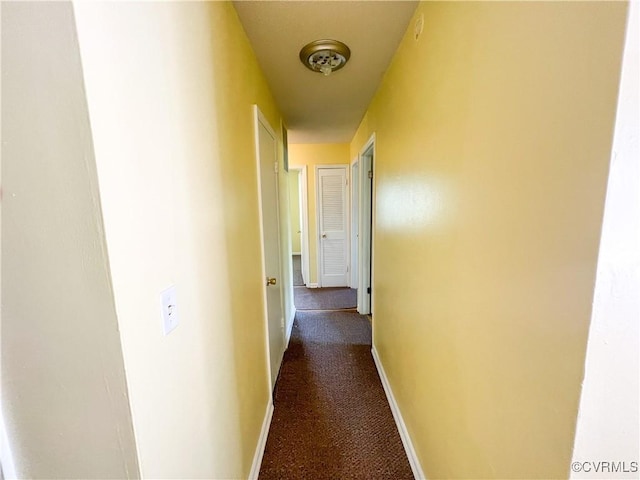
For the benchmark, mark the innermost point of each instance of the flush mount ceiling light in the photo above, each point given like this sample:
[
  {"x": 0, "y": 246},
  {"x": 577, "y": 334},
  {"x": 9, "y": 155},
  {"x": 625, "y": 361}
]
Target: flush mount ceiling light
[{"x": 325, "y": 56}]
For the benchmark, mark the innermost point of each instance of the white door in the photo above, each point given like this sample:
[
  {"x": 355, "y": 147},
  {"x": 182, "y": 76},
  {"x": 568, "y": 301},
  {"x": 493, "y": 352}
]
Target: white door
[
  {"x": 332, "y": 223},
  {"x": 268, "y": 181}
]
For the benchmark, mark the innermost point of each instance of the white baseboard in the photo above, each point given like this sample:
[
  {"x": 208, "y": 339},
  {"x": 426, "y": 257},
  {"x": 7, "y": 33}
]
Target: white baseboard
[
  {"x": 262, "y": 442},
  {"x": 397, "y": 416},
  {"x": 288, "y": 332},
  {"x": 312, "y": 285}
]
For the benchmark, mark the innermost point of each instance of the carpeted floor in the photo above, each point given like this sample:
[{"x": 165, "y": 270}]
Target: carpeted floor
[
  {"x": 297, "y": 271},
  {"x": 324, "y": 298},
  {"x": 331, "y": 417}
]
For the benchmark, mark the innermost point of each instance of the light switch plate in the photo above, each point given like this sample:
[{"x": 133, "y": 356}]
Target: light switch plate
[{"x": 169, "y": 309}]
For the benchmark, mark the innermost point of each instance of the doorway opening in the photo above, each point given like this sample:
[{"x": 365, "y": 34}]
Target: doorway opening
[{"x": 299, "y": 224}]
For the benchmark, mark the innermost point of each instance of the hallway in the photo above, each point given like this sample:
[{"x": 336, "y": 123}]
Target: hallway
[
  {"x": 491, "y": 225},
  {"x": 331, "y": 418}
]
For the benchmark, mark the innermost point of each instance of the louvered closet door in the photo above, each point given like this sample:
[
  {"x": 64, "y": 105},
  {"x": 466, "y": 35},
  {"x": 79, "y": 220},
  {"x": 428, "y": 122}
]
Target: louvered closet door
[{"x": 332, "y": 200}]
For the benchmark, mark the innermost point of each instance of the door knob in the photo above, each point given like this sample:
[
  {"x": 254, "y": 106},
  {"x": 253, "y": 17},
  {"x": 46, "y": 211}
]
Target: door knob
[
  {"x": 324, "y": 235},
  {"x": 271, "y": 281}
]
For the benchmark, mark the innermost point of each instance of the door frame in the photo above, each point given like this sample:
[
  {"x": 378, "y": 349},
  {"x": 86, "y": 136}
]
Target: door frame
[
  {"x": 304, "y": 214},
  {"x": 354, "y": 228},
  {"x": 366, "y": 239},
  {"x": 347, "y": 209},
  {"x": 260, "y": 119}
]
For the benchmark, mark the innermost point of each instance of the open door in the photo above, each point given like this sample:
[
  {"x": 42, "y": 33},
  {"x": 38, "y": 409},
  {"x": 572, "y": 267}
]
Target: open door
[{"x": 266, "y": 152}]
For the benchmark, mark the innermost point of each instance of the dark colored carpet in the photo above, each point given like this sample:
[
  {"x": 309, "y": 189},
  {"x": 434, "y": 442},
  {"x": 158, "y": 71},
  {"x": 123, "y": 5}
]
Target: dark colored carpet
[
  {"x": 331, "y": 417},
  {"x": 324, "y": 298},
  {"x": 297, "y": 271}
]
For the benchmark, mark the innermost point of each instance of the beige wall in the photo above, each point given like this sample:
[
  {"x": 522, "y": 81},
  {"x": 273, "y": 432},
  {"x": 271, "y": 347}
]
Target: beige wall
[
  {"x": 294, "y": 209},
  {"x": 312, "y": 155},
  {"x": 170, "y": 88},
  {"x": 493, "y": 135},
  {"x": 64, "y": 395}
]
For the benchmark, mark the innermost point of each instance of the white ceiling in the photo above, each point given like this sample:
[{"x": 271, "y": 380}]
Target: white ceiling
[{"x": 319, "y": 109}]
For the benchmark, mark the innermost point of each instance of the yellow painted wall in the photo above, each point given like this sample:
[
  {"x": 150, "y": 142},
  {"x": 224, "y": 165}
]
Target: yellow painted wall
[
  {"x": 493, "y": 133},
  {"x": 312, "y": 155},
  {"x": 294, "y": 210},
  {"x": 170, "y": 88}
]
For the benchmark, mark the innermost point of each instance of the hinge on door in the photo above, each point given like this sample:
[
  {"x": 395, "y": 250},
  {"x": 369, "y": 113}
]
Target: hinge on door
[
  {"x": 369, "y": 290},
  {"x": 370, "y": 174},
  {"x": 346, "y": 181},
  {"x": 275, "y": 167},
  {"x": 347, "y": 268}
]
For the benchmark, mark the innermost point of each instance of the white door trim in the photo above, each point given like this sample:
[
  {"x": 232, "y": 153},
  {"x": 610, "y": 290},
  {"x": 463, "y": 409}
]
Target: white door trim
[
  {"x": 304, "y": 210},
  {"x": 366, "y": 158},
  {"x": 347, "y": 213},
  {"x": 354, "y": 196},
  {"x": 260, "y": 119}
]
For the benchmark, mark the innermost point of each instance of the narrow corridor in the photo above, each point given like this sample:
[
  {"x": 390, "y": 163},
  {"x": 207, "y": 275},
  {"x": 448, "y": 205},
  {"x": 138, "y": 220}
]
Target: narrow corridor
[
  {"x": 331, "y": 417},
  {"x": 473, "y": 170}
]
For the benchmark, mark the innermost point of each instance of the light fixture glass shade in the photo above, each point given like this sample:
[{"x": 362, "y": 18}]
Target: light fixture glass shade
[
  {"x": 326, "y": 70},
  {"x": 325, "y": 56}
]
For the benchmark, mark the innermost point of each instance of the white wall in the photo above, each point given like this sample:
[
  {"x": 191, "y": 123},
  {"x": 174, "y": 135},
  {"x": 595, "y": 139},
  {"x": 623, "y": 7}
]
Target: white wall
[
  {"x": 608, "y": 423},
  {"x": 64, "y": 396}
]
